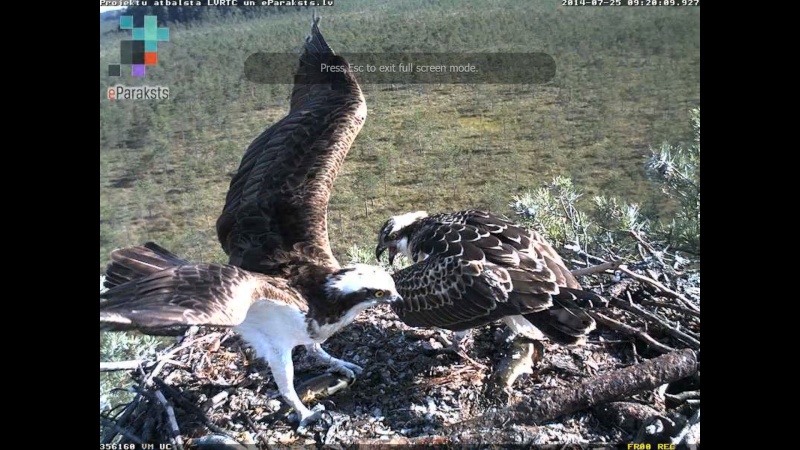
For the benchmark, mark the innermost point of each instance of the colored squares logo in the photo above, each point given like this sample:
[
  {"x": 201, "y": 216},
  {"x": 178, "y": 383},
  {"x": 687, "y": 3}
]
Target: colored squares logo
[{"x": 142, "y": 49}]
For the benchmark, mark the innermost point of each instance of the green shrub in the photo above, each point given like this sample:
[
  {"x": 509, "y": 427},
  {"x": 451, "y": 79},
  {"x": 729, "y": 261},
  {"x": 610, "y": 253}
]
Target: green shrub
[{"x": 677, "y": 169}]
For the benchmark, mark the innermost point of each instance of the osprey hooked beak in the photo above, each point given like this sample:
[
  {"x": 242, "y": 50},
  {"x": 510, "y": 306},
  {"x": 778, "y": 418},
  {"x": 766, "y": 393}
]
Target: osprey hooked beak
[{"x": 381, "y": 248}]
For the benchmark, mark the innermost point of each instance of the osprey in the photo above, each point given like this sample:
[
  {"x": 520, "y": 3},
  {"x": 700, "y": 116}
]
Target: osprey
[
  {"x": 472, "y": 268},
  {"x": 281, "y": 287}
]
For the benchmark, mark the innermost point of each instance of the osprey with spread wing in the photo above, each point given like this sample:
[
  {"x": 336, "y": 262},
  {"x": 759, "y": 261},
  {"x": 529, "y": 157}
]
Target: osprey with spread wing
[{"x": 282, "y": 287}]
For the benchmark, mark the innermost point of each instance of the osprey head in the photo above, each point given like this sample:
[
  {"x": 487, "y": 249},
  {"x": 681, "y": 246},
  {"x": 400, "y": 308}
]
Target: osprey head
[
  {"x": 362, "y": 285},
  {"x": 396, "y": 233}
]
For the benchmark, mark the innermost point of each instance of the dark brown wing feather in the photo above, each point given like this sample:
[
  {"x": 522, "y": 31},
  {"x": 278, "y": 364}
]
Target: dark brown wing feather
[
  {"x": 532, "y": 278},
  {"x": 565, "y": 322},
  {"x": 553, "y": 260},
  {"x": 196, "y": 294},
  {"x": 275, "y": 214},
  {"x": 470, "y": 278},
  {"x": 521, "y": 239},
  {"x": 457, "y": 294}
]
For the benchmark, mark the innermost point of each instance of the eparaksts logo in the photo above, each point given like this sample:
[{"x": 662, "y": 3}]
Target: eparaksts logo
[{"x": 120, "y": 92}]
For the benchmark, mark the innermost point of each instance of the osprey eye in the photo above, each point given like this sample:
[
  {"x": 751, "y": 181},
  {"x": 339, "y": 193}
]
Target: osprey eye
[
  {"x": 393, "y": 236},
  {"x": 380, "y": 294}
]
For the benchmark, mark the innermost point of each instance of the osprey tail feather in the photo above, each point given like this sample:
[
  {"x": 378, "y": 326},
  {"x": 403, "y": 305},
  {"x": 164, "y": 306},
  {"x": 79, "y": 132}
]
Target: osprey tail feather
[
  {"x": 566, "y": 323},
  {"x": 565, "y": 326}
]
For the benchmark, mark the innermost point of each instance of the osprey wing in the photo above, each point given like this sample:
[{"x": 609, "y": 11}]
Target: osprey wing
[
  {"x": 524, "y": 241},
  {"x": 275, "y": 214},
  {"x": 469, "y": 278},
  {"x": 195, "y": 294}
]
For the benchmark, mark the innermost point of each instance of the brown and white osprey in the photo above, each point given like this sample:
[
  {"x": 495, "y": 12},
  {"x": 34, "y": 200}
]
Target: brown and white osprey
[
  {"x": 472, "y": 268},
  {"x": 282, "y": 287}
]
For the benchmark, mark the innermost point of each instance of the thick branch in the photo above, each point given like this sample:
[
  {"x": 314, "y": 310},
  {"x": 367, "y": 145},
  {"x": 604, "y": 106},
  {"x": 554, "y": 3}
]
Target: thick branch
[
  {"x": 516, "y": 435},
  {"x": 604, "y": 388}
]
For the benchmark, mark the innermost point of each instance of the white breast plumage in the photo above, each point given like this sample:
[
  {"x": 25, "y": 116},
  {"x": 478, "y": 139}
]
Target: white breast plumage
[{"x": 277, "y": 321}]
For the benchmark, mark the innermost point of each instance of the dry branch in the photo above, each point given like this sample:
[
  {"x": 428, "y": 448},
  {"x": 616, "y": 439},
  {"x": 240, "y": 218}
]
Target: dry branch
[
  {"x": 657, "y": 304},
  {"x": 630, "y": 331},
  {"x": 604, "y": 388},
  {"x": 694, "y": 420},
  {"x": 665, "y": 290},
  {"x": 189, "y": 406},
  {"x": 611, "y": 265},
  {"x": 647, "y": 315},
  {"x": 119, "y": 430},
  {"x": 683, "y": 396},
  {"x": 583, "y": 254},
  {"x": 649, "y": 247},
  {"x": 110, "y": 366},
  {"x": 616, "y": 289},
  {"x": 111, "y": 432},
  {"x": 518, "y": 435},
  {"x": 177, "y": 441},
  {"x": 165, "y": 358}
]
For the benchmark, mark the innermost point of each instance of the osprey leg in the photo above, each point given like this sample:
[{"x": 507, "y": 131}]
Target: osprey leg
[
  {"x": 280, "y": 361},
  {"x": 521, "y": 326},
  {"x": 459, "y": 338}
]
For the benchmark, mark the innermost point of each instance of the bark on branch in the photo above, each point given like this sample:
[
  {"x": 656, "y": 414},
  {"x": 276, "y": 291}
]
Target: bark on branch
[{"x": 604, "y": 388}]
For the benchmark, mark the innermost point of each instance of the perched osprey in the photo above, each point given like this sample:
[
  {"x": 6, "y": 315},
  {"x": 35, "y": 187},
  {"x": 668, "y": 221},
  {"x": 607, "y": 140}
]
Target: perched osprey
[
  {"x": 282, "y": 287},
  {"x": 472, "y": 268}
]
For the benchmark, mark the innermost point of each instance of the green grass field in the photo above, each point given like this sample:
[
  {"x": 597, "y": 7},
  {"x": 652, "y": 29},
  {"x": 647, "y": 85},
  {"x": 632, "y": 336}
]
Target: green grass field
[{"x": 626, "y": 79}]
